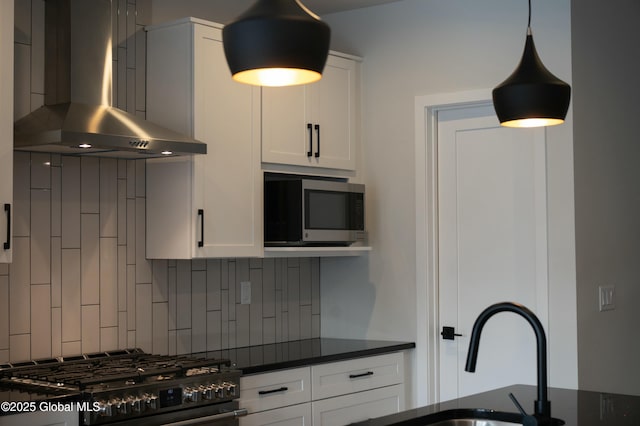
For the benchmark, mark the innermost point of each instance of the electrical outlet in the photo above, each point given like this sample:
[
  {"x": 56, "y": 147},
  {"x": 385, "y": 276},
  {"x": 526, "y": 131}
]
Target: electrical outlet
[
  {"x": 607, "y": 297},
  {"x": 245, "y": 292}
]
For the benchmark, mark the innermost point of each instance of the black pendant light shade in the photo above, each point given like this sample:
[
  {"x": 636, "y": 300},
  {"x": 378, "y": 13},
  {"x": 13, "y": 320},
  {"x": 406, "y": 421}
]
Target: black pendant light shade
[
  {"x": 276, "y": 43},
  {"x": 531, "y": 96}
]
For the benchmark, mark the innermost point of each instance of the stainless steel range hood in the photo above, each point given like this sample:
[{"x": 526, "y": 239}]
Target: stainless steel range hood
[{"x": 77, "y": 117}]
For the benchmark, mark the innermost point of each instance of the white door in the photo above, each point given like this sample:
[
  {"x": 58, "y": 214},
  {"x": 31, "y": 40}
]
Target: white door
[{"x": 491, "y": 205}]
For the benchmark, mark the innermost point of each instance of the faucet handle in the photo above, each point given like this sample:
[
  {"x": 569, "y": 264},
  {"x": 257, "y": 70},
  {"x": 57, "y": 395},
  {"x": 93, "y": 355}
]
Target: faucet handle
[{"x": 527, "y": 420}]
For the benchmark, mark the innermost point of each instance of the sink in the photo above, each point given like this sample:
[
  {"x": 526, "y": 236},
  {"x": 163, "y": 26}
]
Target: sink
[
  {"x": 468, "y": 417},
  {"x": 472, "y": 422},
  {"x": 472, "y": 417}
]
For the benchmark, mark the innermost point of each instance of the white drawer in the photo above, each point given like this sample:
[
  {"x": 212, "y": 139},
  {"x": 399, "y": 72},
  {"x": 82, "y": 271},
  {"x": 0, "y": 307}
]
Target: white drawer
[
  {"x": 357, "y": 407},
  {"x": 266, "y": 391},
  {"x": 356, "y": 375},
  {"x": 295, "y": 415}
]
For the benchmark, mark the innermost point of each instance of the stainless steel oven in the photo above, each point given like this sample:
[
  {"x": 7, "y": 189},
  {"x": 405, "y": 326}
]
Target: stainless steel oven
[{"x": 130, "y": 387}]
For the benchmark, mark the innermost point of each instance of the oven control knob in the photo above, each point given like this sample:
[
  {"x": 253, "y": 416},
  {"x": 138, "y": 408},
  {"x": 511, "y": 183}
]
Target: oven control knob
[
  {"x": 122, "y": 406},
  {"x": 192, "y": 395},
  {"x": 220, "y": 391},
  {"x": 150, "y": 402},
  {"x": 213, "y": 391},
  {"x": 209, "y": 392},
  {"x": 136, "y": 404},
  {"x": 231, "y": 388},
  {"x": 104, "y": 409}
]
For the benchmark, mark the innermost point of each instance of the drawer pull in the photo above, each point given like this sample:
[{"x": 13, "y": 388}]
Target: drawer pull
[
  {"x": 355, "y": 376},
  {"x": 266, "y": 392}
]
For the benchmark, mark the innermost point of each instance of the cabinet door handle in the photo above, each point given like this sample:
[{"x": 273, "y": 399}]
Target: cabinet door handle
[
  {"x": 310, "y": 129},
  {"x": 267, "y": 392},
  {"x": 355, "y": 376},
  {"x": 318, "y": 132},
  {"x": 201, "y": 214},
  {"x": 7, "y": 209}
]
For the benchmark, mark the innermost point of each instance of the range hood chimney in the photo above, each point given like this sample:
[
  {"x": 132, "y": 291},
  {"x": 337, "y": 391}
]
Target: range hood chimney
[{"x": 77, "y": 117}]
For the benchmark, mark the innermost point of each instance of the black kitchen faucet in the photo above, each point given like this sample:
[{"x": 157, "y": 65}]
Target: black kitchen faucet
[{"x": 542, "y": 406}]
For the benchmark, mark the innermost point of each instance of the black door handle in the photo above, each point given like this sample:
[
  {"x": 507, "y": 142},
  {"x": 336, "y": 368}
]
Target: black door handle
[
  {"x": 267, "y": 392},
  {"x": 201, "y": 214},
  {"x": 317, "y": 126},
  {"x": 7, "y": 209},
  {"x": 310, "y": 129},
  {"x": 449, "y": 333},
  {"x": 355, "y": 376}
]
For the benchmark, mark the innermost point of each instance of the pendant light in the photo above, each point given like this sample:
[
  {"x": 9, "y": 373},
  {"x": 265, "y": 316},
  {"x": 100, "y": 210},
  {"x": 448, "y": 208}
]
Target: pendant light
[
  {"x": 531, "y": 96},
  {"x": 276, "y": 43}
]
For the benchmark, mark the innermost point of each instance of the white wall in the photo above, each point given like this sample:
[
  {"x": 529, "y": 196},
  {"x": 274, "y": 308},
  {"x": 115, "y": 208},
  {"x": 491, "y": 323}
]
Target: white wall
[
  {"x": 421, "y": 47},
  {"x": 606, "y": 66}
]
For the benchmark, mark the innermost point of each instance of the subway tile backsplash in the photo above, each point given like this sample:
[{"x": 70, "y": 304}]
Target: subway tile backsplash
[
  {"x": 80, "y": 282},
  {"x": 79, "y": 286}
]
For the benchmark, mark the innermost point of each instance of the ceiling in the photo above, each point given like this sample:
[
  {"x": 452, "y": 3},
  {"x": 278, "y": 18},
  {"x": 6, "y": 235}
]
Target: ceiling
[
  {"x": 225, "y": 11},
  {"x": 322, "y": 7}
]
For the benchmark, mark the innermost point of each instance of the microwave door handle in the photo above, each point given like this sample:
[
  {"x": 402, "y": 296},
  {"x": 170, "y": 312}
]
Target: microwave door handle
[
  {"x": 318, "y": 150},
  {"x": 310, "y": 129}
]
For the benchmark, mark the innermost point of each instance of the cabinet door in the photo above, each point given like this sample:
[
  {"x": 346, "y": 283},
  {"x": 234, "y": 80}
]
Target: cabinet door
[
  {"x": 347, "y": 409},
  {"x": 286, "y": 115},
  {"x": 205, "y": 205},
  {"x": 313, "y": 125},
  {"x": 228, "y": 180},
  {"x": 334, "y": 112},
  {"x": 295, "y": 415},
  {"x": 6, "y": 130}
]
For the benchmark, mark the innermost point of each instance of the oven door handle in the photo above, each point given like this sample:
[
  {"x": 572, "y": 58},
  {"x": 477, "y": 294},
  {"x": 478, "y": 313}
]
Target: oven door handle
[{"x": 240, "y": 412}]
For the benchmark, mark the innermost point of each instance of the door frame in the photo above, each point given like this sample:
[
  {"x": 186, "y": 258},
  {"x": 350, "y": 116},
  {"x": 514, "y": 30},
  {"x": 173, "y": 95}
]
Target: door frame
[
  {"x": 427, "y": 243},
  {"x": 426, "y": 169}
]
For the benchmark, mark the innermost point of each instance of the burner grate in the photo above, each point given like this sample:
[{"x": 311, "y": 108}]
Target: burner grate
[{"x": 121, "y": 368}]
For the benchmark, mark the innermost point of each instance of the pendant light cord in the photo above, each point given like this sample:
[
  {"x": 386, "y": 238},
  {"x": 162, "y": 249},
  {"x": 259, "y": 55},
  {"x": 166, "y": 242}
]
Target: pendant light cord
[{"x": 529, "y": 20}]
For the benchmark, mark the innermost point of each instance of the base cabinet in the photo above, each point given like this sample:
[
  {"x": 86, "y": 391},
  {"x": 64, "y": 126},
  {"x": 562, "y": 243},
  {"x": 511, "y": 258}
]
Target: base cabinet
[
  {"x": 359, "y": 406},
  {"x": 331, "y": 394}
]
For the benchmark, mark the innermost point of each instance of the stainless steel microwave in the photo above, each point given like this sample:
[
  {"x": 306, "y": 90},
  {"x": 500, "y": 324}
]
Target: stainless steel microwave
[{"x": 302, "y": 211}]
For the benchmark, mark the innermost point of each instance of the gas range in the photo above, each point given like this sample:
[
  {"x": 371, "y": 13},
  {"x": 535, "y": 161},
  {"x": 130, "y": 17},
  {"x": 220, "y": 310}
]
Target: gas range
[{"x": 121, "y": 387}]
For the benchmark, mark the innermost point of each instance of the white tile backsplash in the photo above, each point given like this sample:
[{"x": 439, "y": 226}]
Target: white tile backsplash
[
  {"x": 108, "y": 282},
  {"x": 90, "y": 258},
  {"x": 71, "y": 306},
  {"x": 108, "y": 197},
  {"x": 19, "y": 288},
  {"x": 4, "y": 312},
  {"x": 70, "y": 200},
  {"x": 90, "y": 328},
  {"x": 80, "y": 282},
  {"x": 40, "y": 327}
]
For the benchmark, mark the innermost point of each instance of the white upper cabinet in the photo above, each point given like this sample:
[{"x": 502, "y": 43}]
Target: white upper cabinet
[
  {"x": 314, "y": 125},
  {"x": 210, "y": 205},
  {"x": 6, "y": 130}
]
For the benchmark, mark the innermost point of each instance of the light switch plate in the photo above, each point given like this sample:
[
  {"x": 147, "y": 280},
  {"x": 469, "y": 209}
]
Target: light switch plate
[{"x": 607, "y": 297}]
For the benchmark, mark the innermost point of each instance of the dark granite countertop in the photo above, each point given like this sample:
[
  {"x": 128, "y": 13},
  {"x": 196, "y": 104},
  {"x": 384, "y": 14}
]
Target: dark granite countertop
[
  {"x": 575, "y": 407},
  {"x": 299, "y": 353}
]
